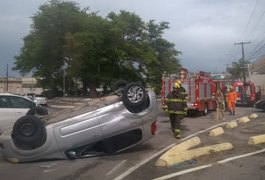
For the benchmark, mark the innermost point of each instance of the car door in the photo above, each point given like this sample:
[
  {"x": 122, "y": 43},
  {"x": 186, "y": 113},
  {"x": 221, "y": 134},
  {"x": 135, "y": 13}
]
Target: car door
[
  {"x": 77, "y": 131},
  {"x": 7, "y": 114},
  {"x": 20, "y": 106},
  {"x": 115, "y": 119}
]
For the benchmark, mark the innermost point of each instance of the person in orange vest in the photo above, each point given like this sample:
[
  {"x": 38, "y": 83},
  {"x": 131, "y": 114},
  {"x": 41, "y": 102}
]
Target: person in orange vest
[
  {"x": 177, "y": 107},
  {"x": 231, "y": 101}
]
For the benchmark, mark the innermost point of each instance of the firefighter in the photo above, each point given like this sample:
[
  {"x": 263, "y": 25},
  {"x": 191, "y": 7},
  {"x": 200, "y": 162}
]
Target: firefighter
[
  {"x": 231, "y": 101},
  {"x": 183, "y": 73},
  {"x": 177, "y": 107}
]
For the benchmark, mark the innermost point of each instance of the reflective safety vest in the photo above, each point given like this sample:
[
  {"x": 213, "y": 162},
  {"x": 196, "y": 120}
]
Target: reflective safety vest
[
  {"x": 176, "y": 103},
  {"x": 231, "y": 97}
]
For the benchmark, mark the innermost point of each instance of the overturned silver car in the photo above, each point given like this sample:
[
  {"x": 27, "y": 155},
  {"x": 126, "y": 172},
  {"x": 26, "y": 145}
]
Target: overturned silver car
[{"x": 106, "y": 126}]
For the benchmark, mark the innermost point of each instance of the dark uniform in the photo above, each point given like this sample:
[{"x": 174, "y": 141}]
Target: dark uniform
[{"x": 177, "y": 107}]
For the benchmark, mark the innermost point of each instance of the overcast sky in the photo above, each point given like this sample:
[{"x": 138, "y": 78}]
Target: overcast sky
[{"x": 203, "y": 30}]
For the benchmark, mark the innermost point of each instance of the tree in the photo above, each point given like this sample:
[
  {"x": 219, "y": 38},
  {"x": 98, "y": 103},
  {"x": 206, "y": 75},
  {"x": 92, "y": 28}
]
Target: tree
[
  {"x": 42, "y": 53},
  {"x": 166, "y": 55},
  {"x": 237, "y": 70},
  {"x": 93, "y": 50},
  {"x": 126, "y": 42}
]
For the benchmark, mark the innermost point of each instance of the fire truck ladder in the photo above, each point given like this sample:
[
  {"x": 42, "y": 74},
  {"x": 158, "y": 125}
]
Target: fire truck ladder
[{"x": 192, "y": 89}]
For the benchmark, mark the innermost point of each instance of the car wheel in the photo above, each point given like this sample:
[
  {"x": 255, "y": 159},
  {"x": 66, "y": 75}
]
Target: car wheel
[
  {"x": 118, "y": 86},
  {"x": 38, "y": 110},
  {"x": 134, "y": 97},
  {"x": 29, "y": 132}
]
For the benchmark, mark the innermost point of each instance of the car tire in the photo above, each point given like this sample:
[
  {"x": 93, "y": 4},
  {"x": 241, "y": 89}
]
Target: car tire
[
  {"x": 29, "y": 132},
  {"x": 118, "y": 86},
  {"x": 134, "y": 97},
  {"x": 38, "y": 110}
]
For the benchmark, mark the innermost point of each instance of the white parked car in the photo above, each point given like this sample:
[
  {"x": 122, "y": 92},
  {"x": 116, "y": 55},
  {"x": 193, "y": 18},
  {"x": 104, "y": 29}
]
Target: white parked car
[
  {"x": 39, "y": 99},
  {"x": 12, "y": 107}
]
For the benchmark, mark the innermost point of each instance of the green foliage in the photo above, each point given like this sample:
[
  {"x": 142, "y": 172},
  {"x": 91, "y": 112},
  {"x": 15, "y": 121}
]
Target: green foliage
[
  {"x": 237, "y": 70},
  {"x": 93, "y": 50},
  {"x": 166, "y": 55}
]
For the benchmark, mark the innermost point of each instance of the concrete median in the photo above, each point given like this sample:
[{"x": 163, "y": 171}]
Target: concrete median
[
  {"x": 231, "y": 125},
  {"x": 253, "y": 116},
  {"x": 243, "y": 120},
  {"x": 256, "y": 139},
  {"x": 183, "y": 156},
  {"x": 162, "y": 161},
  {"x": 216, "y": 132}
]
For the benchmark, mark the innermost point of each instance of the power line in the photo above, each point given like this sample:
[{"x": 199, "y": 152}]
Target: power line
[
  {"x": 249, "y": 19},
  {"x": 256, "y": 25},
  {"x": 256, "y": 52}
]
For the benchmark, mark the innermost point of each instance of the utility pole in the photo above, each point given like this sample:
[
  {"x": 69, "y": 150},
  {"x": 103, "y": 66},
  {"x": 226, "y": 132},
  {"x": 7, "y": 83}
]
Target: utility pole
[
  {"x": 7, "y": 78},
  {"x": 243, "y": 57}
]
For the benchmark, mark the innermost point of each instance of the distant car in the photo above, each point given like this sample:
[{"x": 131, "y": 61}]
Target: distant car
[
  {"x": 39, "y": 99},
  {"x": 12, "y": 107},
  {"x": 101, "y": 127},
  {"x": 260, "y": 104}
]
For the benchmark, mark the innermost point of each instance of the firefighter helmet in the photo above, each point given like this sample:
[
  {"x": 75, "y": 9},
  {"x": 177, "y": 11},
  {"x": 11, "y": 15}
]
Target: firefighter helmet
[{"x": 177, "y": 85}]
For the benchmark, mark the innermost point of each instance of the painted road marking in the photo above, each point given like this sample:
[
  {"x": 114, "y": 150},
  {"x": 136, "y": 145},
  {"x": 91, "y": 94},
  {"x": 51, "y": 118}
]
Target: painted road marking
[
  {"x": 129, "y": 171},
  {"x": 116, "y": 167}
]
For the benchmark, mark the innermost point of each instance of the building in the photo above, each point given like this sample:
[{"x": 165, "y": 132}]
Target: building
[
  {"x": 19, "y": 85},
  {"x": 257, "y": 73}
]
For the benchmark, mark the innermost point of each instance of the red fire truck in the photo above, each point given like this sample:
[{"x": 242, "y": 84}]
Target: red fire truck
[
  {"x": 247, "y": 93},
  {"x": 200, "y": 88}
]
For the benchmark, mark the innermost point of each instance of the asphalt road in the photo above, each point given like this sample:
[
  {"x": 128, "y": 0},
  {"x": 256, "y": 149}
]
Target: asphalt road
[
  {"x": 242, "y": 162},
  {"x": 139, "y": 162}
]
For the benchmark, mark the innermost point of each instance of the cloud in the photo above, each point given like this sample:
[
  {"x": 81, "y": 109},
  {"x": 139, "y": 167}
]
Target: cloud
[{"x": 204, "y": 30}]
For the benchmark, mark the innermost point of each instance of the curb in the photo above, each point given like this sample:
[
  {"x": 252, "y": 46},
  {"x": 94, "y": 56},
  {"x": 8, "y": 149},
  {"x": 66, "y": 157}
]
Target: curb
[
  {"x": 162, "y": 161},
  {"x": 256, "y": 139},
  {"x": 180, "y": 153},
  {"x": 216, "y": 132},
  {"x": 244, "y": 120},
  {"x": 253, "y": 116},
  {"x": 231, "y": 125},
  {"x": 61, "y": 106},
  {"x": 194, "y": 153}
]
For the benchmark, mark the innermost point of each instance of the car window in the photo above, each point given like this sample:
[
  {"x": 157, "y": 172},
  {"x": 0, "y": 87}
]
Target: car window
[
  {"x": 18, "y": 102},
  {"x": 4, "y": 103},
  {"x": 239, "y": 89},
  {"x": 248, "y": 92}
]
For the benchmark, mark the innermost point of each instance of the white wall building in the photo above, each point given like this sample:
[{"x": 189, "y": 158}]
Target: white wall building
[{"x": 19, "y": 85}]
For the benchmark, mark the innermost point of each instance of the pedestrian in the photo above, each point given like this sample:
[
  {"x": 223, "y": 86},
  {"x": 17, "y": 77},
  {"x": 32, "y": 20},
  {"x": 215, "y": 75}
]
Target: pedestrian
[
  {"x": 177, "y": 107},
  {"x": 226, "y": 89},
  {"x": 231, "y": 101},
  {"x": 219, "y": 97}
]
